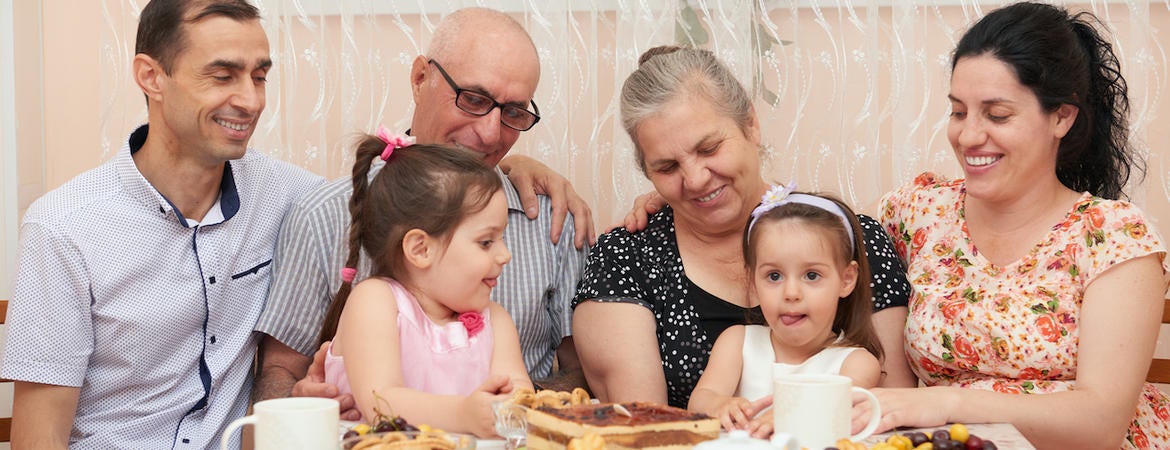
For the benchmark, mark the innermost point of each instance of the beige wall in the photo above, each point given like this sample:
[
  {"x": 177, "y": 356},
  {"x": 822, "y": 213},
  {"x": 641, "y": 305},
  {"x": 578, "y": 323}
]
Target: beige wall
[{"x": 59, "y": 102}]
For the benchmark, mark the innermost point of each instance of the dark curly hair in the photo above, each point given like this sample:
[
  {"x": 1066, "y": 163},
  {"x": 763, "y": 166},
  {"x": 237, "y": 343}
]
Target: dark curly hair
[{"x": 1063, "y": 59}]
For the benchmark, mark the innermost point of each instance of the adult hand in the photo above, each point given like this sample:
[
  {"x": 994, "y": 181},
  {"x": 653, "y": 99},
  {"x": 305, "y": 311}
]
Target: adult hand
[
  {"x": 911, "y": 407},
  {"x": 314, "y": 385},
  {"x": 644, "y": 206},
  {"x": 530, "y": 178}
]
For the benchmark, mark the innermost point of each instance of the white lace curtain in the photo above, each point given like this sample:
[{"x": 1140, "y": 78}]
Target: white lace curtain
[{"x": 851, "y": 94}]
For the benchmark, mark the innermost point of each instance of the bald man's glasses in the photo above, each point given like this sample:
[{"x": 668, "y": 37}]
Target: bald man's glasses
[{"x": 478, "y": 104}]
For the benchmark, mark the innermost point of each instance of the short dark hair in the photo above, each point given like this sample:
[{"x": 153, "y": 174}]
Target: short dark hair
[
  {"x": 1063, "y": 59},
  {"x": 160, "y": 27}
]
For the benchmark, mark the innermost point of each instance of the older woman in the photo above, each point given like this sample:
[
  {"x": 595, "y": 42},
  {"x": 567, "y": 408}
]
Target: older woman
[
  {"x": 651, "y": 303},
  {"x": 1029, "y": 276}
]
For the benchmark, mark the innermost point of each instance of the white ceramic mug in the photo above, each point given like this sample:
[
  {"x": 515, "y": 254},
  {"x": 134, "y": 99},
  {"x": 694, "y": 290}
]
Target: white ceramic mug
[
  {"x": 290, "y": 423},
  {"x": 817, "y": 409}
]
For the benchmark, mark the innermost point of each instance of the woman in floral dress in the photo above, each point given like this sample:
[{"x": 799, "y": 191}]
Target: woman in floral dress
[{"x": 1030, "y": 276}]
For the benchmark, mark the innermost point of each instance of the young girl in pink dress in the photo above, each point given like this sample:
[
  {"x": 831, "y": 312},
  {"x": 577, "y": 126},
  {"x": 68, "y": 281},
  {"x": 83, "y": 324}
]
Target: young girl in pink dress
[
  {"x": 432, "y": 221},
  {"x": 807, "y": 269}
]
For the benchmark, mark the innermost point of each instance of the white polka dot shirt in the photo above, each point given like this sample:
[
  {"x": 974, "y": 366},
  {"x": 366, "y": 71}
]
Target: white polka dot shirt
[{"x": 150, "y": 317}]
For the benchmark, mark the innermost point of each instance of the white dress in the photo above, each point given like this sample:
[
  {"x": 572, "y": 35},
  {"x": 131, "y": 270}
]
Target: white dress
[{"x": 759, "y": 363}]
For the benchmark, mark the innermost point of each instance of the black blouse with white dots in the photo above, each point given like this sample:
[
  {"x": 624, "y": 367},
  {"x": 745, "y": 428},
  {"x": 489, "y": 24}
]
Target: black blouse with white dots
[{"x": 645, "y": 268}]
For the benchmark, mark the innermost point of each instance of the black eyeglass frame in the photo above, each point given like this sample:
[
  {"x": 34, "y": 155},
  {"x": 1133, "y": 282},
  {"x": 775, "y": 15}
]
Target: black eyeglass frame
[{"x": 460, "y": 91}]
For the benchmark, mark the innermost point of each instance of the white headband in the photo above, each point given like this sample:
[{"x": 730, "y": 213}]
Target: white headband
[{"x": 783, "y": 195}]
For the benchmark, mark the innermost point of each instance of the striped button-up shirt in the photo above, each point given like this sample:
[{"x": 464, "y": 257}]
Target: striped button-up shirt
[{"x": 536, "y": 287}]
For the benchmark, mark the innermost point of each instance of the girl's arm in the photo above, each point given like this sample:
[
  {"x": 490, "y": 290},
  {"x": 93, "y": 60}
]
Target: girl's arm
[
  {"x": 506, "y": 357},
  {"x": 618, "y": 347},
  {"x": 1119, "y": 322},
  {"x": 863, "y": 368},
  {"x": 367, "y": 336},
  {"x": 713, "y": 394}
]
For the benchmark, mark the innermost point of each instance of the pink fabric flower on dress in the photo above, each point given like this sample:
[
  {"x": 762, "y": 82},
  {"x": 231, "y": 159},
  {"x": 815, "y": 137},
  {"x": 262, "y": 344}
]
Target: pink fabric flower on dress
[{"x": 472, "y": 321}]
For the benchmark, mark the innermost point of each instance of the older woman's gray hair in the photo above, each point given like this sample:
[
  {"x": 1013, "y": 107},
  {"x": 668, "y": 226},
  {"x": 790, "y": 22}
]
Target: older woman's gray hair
[{"x": 666, "y": 73}]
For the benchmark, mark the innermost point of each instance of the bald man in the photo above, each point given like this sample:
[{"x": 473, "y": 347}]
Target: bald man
[{"x": 473, "y": 88}]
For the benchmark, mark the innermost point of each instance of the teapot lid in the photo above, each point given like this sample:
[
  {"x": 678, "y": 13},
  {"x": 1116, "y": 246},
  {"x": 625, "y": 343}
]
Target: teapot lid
[{"x": 736, "y": 440}]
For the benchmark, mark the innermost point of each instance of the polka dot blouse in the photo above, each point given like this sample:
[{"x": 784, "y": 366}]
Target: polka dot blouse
[{"x": 645, "y": 268}]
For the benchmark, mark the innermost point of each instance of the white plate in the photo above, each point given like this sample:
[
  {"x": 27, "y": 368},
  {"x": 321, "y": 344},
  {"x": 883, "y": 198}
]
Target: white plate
[{"x": 480, "y": 444}]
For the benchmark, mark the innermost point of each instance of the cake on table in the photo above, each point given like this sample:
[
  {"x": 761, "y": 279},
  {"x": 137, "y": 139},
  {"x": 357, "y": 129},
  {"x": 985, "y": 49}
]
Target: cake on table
[{"x": 648, "y": 426}]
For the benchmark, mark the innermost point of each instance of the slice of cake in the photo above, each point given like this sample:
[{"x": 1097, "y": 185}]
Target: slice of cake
[{"x": 648, "y": 426}]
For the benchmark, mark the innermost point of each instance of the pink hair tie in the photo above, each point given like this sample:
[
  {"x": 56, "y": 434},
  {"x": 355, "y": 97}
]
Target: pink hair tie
[
  {"x": 393, "y": 141},
  {"x": 347, "y": 274}
]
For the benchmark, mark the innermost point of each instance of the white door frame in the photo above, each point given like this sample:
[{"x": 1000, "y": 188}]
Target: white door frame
[{"x": 8, "y": 163}]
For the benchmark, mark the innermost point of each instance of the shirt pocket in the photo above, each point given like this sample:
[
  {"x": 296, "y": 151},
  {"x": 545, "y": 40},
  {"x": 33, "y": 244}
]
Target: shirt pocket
[{"x": 259, "y": 269}]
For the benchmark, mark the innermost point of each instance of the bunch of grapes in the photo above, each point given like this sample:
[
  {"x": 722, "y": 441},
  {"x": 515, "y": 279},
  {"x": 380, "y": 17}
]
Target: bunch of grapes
[
  {"x": 382, "y": 424},
  {"x": 957, "y": 438},
  {"x": 396, "y": 424}
]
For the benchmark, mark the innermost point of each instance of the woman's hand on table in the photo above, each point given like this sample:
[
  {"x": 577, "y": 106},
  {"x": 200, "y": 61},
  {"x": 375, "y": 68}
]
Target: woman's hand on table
[{"x": 904, "y": 407}]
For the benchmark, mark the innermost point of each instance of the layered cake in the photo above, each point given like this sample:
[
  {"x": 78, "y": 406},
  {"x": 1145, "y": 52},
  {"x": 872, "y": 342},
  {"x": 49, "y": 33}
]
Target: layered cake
[{"x": 647, "y": 426}]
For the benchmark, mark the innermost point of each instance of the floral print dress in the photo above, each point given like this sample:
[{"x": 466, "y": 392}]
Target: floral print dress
[{"x": 1012, "y": 329}]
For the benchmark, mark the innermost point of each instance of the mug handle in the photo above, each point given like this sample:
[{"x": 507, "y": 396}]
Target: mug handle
[
  {"x": 874, "y": 418},
  {"x": 227, "y": 432}
]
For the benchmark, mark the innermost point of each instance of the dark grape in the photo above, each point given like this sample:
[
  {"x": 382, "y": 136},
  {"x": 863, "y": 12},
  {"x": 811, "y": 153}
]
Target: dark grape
[
  {"x": 399, "y": 423},
  {"x": 349, "y": 434},
  {"x": 917, "y": 438},
  {"x": 974, "y": 442},
  {"x": 988, "y": 445},
  {"x": 409, "y": 427},
  {"x": 384, "y": 426},
  {"x": 940, "y": 435}
]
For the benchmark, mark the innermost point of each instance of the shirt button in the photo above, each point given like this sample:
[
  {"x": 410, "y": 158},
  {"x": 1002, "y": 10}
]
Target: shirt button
[
  {"x": 213, "y": 339},
  {"x": 211, "y": 280},
  {"x": 186, "y": 441}
]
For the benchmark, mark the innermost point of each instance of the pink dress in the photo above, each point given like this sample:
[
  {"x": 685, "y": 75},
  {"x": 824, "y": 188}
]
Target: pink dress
[
  {"x": 1012, "y": 329},
  {"x": 437, "y": 359}
]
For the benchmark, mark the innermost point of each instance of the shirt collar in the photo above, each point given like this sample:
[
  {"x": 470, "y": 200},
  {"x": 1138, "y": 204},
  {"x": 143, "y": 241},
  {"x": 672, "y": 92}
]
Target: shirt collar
[{"x": 139, "y": 188}]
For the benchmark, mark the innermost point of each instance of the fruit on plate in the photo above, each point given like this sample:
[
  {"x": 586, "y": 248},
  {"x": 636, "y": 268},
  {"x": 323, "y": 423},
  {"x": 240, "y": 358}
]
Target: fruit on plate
[
  {"x": 381, "y": 424},
  {"x": 430, "y": 439},
  {"x": 957, "y": 437}
]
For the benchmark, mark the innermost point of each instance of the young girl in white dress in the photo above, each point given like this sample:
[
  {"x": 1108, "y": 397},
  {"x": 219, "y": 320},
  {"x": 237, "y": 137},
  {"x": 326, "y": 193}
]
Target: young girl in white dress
[{"x": 806, "y": 268}]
